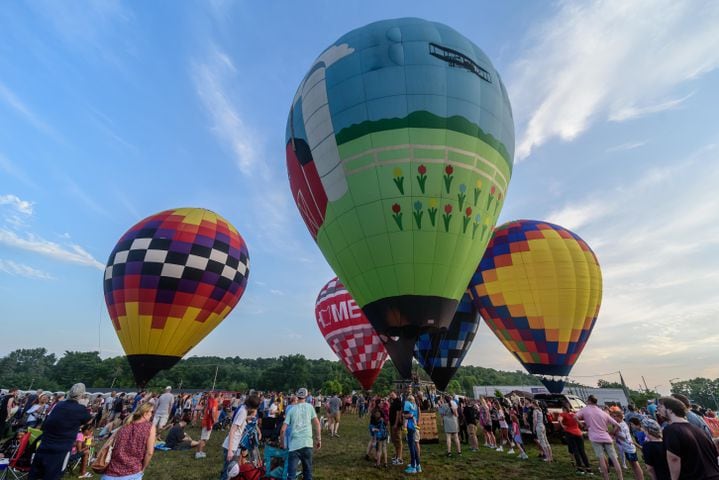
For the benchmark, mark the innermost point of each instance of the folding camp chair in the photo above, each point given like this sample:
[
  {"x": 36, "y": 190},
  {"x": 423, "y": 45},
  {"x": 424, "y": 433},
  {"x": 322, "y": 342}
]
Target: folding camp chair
[
  {"x": 272, "y": 453},
  {"x": 19, "y": 466}
]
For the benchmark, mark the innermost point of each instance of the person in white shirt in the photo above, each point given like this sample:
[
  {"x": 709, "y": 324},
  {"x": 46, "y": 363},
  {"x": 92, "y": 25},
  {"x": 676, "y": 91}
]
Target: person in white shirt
[
  {"x": 163, "y": 407},
  {"x": 231, "y": 445}
]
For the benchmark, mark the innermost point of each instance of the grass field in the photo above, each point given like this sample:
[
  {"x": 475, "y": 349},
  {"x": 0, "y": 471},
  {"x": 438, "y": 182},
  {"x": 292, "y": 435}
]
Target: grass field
[{"x": 343, "y": 458}]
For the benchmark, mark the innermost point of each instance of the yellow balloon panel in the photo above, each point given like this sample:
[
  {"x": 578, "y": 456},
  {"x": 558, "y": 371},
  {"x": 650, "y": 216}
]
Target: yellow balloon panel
[{"x": 539, "y": 287}]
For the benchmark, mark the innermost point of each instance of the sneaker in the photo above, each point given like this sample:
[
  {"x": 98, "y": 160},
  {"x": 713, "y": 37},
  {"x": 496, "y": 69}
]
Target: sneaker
[
  {"x": 200, "y": 455},
  {"x": 410, "y": 469},
  {"x": 449, "y": 454},
  {"x": 419, "y": 469},
  {"x": 397, "y": 461},
  {"x": 510, "y": 452},
  {"x": 579, "y": 472},
  {"x": 459, "y": 453},
  {"x": 86, "y": 475},
  {"x": 523, "y": 456},
  {"x": 500, "y": 449}
]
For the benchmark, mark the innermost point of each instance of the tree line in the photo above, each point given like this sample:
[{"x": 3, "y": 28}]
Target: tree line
[{"x": 36, "y": 368}]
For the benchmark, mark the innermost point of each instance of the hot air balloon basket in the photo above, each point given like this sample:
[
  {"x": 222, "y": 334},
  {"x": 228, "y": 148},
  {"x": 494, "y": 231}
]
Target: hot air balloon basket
[{"x": 428, "y": 427}]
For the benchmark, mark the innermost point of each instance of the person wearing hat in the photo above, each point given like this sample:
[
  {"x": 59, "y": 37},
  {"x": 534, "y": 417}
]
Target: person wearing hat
[
  {"x": 655, "y": 455},
  {"x": 302, "y": 419},
  {"x": 59, "y": 432}
]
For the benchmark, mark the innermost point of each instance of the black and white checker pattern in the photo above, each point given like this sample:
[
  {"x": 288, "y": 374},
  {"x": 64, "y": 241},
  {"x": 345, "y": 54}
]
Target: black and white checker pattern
[{"x": 159, "y": 260}]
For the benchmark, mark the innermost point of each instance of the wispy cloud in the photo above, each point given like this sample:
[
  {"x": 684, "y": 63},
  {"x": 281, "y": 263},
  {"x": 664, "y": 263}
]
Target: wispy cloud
[
  {"x": 630, "y": 112},
  {"x": 21, "y": 206},
  {"x": 656, "y": 242},
  {"x": 210, "y": 77},
  {"x": 626, "y": 146},
  {"x": 91, "y": 27},
  {"x": 14, "y": 102},
  {"x": 609, "y": 60},
  {"x": 9, "y": 168},
  {"x": 19, "y": 269},
  {"x": 71, "y": 253}
]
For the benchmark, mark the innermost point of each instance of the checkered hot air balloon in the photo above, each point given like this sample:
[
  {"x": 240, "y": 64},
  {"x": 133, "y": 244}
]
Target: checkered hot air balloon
[
  {"x": 399, "y": 145},
  {"x": 440, "y": 354},
  {"x": 349, "y": 333},
  {"x": 169, "y": 281},
  {"x": 539, "y": 288}
]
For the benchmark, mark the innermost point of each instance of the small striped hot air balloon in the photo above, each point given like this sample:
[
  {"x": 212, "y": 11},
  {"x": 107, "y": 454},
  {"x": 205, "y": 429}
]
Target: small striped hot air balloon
[
  {"x": 169, "y": 281},
  {"x": 539, "y": 288}
]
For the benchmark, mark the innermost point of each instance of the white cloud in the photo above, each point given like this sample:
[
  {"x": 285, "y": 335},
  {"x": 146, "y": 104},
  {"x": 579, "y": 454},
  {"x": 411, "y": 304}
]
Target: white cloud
[
  {"x": 656, "y": 241},
  {"x": 631, "y": 112},
  {"x": 21, "y": 206},
  {"x": 609, "y": 60},
  {"x": 71, "y": 253},
  {"x": 626, "y": 146},
  {"x": 13, "y": 101},
  {"x": 14, "y": 268},
  {"x": 575, "y": 216},
  {"x": 211, "y": 79}
]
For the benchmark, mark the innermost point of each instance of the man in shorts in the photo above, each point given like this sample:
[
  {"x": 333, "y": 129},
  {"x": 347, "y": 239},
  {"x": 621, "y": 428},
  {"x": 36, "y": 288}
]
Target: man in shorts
[
  {"x": 208, "y": 421},
  {"x": 597, "y": 422},
  {"x": 335, "y": 405},
  {"x": 163, "y": 409},
  {"x": 395, "y": 422}
]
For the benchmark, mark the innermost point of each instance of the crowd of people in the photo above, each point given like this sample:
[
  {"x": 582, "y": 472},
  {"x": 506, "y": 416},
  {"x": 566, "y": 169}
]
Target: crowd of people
[{"x": 672, "y": 435}]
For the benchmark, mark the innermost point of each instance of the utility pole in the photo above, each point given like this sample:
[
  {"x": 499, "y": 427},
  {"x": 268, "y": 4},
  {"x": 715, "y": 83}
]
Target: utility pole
[{"x": 214, "y": 380}]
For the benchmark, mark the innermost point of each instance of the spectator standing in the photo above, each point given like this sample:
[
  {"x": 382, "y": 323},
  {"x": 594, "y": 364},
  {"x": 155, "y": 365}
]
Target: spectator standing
[
  {"x": 692, "y": 417},
  {"x": 134, "y": 446},
  {"x": 208, "y": 422},
  {"x": 540, "y": 431},
  {"x": 448, "y": 411},
  {"x": 334, "y": 407},
  {"x": 597, "y": 421},
  {"x": 302, "y": 419},
  {"x": 655, "y": 455},
  {"x": 470, "y": 418},
  {"x": 395, "y": 420},
  {"x": 231, "y": 445},
  {"x": 163, "y": 408},
  {"x": 59, "y": 433},
  {"x": 411, "y": 421},
  {"x": 6, "y": 407},
  {"x": 575, "y": 440},
  {"x": 626, "y": 444},
  {"x": 690, "y": 454}
]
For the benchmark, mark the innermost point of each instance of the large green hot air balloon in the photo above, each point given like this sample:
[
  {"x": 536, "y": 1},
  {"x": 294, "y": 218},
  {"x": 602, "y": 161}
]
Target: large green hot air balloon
[{"x": 399, "y": 152}]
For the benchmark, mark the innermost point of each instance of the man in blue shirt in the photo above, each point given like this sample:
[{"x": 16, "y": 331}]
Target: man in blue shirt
[
  {"x": 58, "y": 436},
  {"x": 302, "y": 419}
]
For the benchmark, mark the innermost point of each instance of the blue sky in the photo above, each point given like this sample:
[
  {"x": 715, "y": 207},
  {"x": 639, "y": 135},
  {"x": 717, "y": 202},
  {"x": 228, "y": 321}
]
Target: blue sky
[{"x": 112, "y": 111}]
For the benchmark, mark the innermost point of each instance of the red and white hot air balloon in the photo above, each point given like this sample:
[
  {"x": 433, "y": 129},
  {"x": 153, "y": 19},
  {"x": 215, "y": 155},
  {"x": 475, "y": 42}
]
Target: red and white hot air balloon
[{"x": 349, "y": 333}]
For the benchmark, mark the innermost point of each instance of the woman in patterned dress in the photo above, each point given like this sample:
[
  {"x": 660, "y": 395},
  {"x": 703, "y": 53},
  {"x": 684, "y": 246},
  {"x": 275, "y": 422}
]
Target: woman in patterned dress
[{"x": 134, "y": 446}]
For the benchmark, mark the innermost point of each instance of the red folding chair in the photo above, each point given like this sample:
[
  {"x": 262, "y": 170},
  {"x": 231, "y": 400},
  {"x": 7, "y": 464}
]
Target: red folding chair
[{"x": 19, "y": 467}]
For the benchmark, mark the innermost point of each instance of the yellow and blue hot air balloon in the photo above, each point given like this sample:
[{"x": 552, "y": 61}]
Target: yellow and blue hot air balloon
[
  {"x": 399, "y": 147},
  {"x": 539, "y": 288},
  {"x": 169, "y": 281}
]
